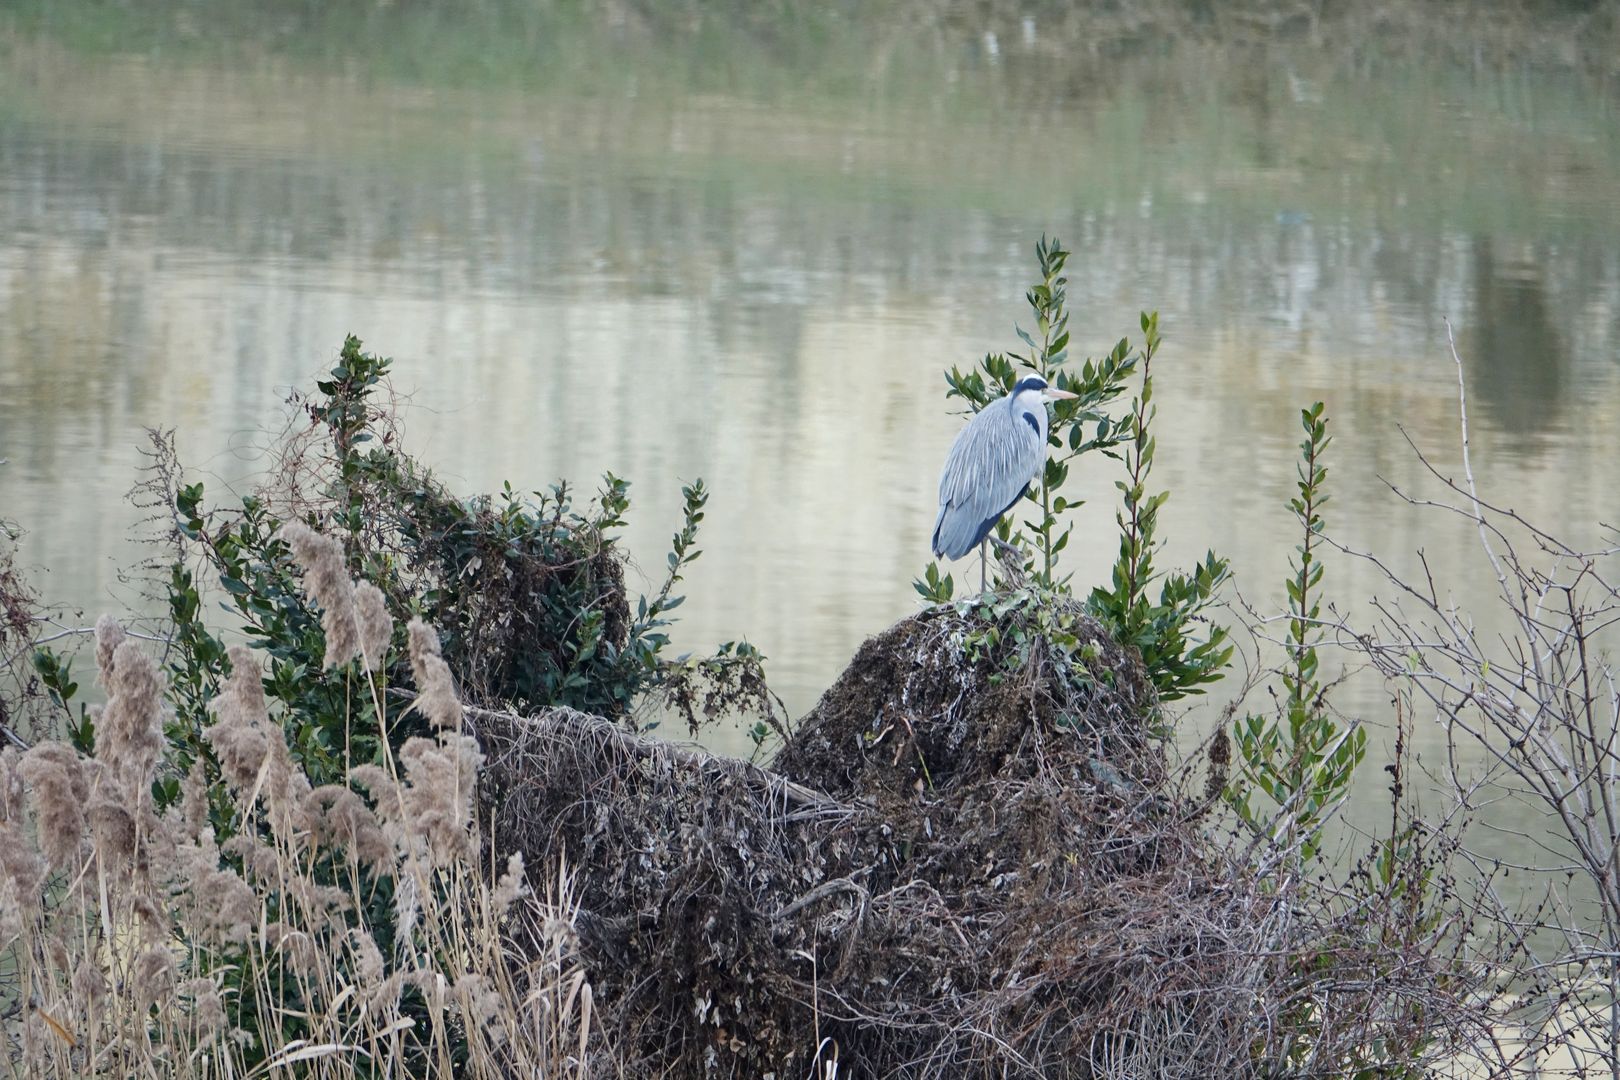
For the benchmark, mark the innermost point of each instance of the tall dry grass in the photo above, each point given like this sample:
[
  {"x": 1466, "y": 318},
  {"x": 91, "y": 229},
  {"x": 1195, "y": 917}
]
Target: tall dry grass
[{"x": 263, "y": 922}]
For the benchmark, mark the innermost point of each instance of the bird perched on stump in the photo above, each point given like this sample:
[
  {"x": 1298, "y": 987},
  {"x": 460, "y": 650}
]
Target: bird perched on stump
[{"x": 991, "y": 464}]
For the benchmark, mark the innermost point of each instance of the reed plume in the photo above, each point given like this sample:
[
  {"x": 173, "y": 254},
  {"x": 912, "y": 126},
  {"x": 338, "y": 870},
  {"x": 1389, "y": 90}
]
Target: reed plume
[
  {"x": 240, "y": 927},
  {"x": 327, "y": 582},
  {"x": 375, "y": 624},
  {"x": 129, "y": 732},
  {"x": 435, "y": 686},
  {"x": 57, "y": 779}
]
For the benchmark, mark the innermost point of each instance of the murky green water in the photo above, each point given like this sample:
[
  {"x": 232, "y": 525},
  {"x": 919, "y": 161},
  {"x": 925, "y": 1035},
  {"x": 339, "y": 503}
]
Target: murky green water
[{"x": 744, "y": 250}]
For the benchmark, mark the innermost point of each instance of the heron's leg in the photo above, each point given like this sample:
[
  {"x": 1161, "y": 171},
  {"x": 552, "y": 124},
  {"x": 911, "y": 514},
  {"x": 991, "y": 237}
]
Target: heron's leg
[{"x": 984, "y": 563}]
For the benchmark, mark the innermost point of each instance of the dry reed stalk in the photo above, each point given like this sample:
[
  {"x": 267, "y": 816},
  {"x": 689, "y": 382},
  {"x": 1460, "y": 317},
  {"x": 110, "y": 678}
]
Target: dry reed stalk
[{"x": 176, "y": 954}]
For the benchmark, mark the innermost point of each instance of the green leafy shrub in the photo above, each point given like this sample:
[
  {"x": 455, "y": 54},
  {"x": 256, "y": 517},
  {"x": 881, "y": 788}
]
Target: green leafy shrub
[
  {"x": 1300, "y": 758},
  {"x": 1294, "y": 766},
  {"x": 528, "y": 591},
  {"x": 531, "y": 593},
  {"x": 1164, "y": 631}
]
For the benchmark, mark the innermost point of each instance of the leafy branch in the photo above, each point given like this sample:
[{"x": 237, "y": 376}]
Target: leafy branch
[
  {"x": 1302, "y": 760},
  {"x": 1177, "y": 660}
]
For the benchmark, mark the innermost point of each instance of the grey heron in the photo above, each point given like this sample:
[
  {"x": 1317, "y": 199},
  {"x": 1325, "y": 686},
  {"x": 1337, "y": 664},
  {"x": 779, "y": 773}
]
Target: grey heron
[{"x": 990, "y": 466}]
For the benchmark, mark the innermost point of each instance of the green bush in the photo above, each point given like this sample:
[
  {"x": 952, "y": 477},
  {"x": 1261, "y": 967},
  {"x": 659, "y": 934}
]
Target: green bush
[
  {"x": 1300, "y": 758},
  {"x": 528, "y": 592}
]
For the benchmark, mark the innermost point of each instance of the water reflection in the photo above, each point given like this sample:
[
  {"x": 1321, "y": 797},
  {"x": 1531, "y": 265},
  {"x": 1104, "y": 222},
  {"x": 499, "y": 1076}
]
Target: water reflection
[
  {"x": 1516, "y": 354},
  {"x": 677, "y": 279}
]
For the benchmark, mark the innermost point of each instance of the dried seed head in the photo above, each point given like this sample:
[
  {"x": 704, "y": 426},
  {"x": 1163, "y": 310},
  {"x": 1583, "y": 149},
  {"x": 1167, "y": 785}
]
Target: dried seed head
[
  {"x": 511, "y": 887},
  {"x": 240, "y": 746},
  {"x": 152, "y": 919},
  {"x": 245, "y": 684},
  {"x": 368, "y": 959},
  {"x": 435, "y": 688},
  {"x": 89, "y": 983},
  {"x": 40, "y": 1041},
  {"x": 207, "y": 1011},
  {"x": 109, "y": 635},
  {"x": 225, "y": 910},
  {"x": 407, "y": 909},
  {"x": 12, "y": 921},
  {"x": 22, "y": 866},
  {"x": 429, "y": 814},
  {"x": 248, "y": 743},
  {"x": 260, "y": 860},
  {"x": 13, "y": 791},
  {"x": 129, "y": 737},
  {"x": 297, "y": 948},
  {"x": 240, "y": 732},
  {"x": 57, "y": 777},
  {"x": 384, "y": 1000},
  {"x": 237, "y": 906},
  {"x": 437, "y": 800},
  {"x": 431, "y": 982},
  {"x": 112, "y": 829},
  {"x": 320, "y": 905},
  {"x": 153, "y": 977},
  {"x": 192, "y": 815},
  {"x": 376, "y": 625},
  {"x": 481, "y": 1005},
  {"x": 375, "y": 780},
  {"x": 327, "y": 582},
  {"x": 57, "y": 952},
  {"x": 341, "y": 819}
]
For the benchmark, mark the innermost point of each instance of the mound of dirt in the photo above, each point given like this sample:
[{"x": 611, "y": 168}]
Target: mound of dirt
[{"x": 966, "y": 862}]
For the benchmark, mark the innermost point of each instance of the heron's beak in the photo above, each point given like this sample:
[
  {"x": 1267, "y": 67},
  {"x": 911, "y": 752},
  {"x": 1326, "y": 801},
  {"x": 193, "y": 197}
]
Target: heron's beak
[{"x": 1054, "y": 394}]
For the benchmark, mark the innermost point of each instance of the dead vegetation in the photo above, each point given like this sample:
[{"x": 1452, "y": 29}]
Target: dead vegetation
[
  {"x": 952, "y": 869},
  {"x": 21, "y": 692},
  {"x": 1529, "y": 718},
  {"x": 264, "y": 922}
]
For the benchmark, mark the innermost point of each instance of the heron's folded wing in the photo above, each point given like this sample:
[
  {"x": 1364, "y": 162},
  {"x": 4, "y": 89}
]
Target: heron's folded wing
[{"x": 989, "y": 465}]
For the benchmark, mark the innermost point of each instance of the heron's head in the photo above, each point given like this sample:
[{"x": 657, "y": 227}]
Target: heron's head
[{"x": 1037, "y": 386}]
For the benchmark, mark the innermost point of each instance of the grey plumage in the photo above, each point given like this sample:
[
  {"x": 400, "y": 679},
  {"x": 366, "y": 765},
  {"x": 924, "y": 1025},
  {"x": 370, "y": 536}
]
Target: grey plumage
[{"x": 990, "y": 464}]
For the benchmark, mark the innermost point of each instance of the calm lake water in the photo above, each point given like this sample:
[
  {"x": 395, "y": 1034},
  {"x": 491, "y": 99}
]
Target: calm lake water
[{"x": 721, "y": 252}]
